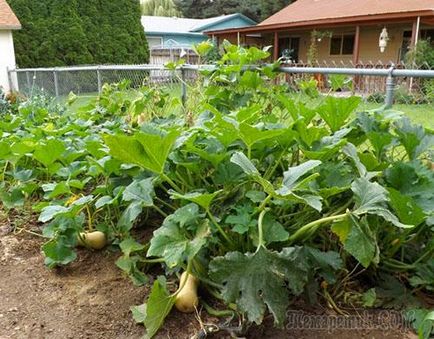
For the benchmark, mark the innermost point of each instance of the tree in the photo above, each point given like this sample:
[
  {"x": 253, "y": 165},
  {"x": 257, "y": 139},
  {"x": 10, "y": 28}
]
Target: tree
[
  {"x": 75, "y": 32},
  {"x": 257, "y": 10},
  {"x": 194, "y": 8},
  {"x": 160, "y": 8}
]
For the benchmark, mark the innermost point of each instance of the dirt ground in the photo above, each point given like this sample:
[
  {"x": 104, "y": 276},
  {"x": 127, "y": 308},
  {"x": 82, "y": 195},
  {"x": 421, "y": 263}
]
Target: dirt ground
[{"x": 91, "y": 299}]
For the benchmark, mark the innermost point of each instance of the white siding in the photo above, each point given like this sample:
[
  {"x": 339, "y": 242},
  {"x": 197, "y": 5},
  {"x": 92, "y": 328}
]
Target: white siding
[{"x": 7, "y": 58}]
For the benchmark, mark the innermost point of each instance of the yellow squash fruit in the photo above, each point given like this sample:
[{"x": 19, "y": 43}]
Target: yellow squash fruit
[
  {"x": 96, "y": 240},
  {"x": 186, "y": 300}
]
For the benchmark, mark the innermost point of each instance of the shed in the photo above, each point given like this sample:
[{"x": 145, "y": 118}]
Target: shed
[{"x": 8, "y": 23}]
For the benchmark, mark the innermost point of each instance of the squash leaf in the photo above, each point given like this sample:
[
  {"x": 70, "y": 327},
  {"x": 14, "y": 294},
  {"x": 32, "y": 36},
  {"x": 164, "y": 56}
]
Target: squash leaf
[
  {"x": 255, "y": 281},
  {"x": 158, "y": 306},
  {"x": 372, "y": 198},
  {"x": 149, "y": 151}
]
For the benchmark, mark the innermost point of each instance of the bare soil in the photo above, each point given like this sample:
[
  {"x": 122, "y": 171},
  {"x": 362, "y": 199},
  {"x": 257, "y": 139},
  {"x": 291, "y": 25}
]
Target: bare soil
[{"x": 91, "y": 299}]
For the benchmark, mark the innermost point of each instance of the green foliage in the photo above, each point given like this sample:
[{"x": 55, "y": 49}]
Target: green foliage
[
  {"x": 422, "y": 321},
  {"x": 260, "y": 196},
  {"x": 79, "y": 32},
  {"x": 157, "y": 308},
  {"x": 256, "y": 10},
  {"x": 159, "y": 8},
  {"x": 422, "y": 55}
]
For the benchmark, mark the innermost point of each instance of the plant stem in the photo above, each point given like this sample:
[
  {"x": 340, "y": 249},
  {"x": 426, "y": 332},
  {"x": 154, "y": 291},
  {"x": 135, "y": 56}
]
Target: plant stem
[
  {"x": 217, "y": 313},
  {"x": 427, "y": 253},
  {"x": 171, "y": 183},
  {"x": 260, "y": 230},
  {"x": 306, "y": 228},
  {"x": 264, "y": 203},
  {"x": 152, "y": 261},
  {"x": 268, "y": 174},
  {"x": 222, "y": 232},
  {"x": 165, "y": 203},
  {"x": 164, "y": 214}
]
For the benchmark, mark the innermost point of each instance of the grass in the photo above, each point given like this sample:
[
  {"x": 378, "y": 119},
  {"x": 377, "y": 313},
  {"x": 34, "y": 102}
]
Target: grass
[{"x": 420, "y": 114}]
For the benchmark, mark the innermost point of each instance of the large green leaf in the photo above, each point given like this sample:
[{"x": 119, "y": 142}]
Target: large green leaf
[
  {"x": 358, "y": 240},
  {"x": 415, "y": 180},
  {"x": 255, "y": 281},
  {"x": 129, "y": 215},
  {"x": 351, "y": 151},
  {"x": 406, "y": 208},
  {"x": 326, "y": 147},
  {"x": 149, "y": 151},
  {"x": 140, "y": 191},
  {"x": 174, "y": 245},
  {"x": 293, "y": 174},
  {"x": 12, "y": 199},
  {"x": 251, "y": 135},
  {"x": 413, "y": 138},
  {"x": 291, "y": 179},
  {"x": 372, "y": 198},
  {"x": 297, "y": 109},
  {"x": 292, "y": 183},
  {"x": 158, "y": 306},
  {"x": 49, "y": 152},
  {"x": 202, "y": 199},
  {"x": 336, "y": 111},
  {"x": 246, "y": 165},
  {"x": 50, "y": 212},
  {"x": 59, "y": 251}
]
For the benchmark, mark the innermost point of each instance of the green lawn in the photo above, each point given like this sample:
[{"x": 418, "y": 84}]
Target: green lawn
[{"x": 420, "y": 114}]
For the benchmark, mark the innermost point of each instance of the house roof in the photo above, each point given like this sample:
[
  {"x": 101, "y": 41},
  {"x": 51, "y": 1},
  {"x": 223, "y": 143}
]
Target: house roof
[
  {"x": 175, "y": 25},
  {"x": 8, "y": 19},
  {"x": 313, "y": 10},
  {"x": 314, "y": 13}
]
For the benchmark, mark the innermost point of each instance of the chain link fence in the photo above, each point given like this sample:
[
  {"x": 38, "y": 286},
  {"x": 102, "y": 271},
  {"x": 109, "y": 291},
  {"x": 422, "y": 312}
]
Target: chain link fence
[
  {"x": 376, "y": 83},
  {"x": 88, "y": 80}
]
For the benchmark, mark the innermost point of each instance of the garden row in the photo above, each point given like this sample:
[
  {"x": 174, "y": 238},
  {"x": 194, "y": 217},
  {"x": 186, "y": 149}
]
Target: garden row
[{"x": 260, "y": 197}]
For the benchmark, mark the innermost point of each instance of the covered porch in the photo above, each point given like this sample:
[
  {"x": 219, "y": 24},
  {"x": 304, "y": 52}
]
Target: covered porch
[{"x": 336, "y": 44}]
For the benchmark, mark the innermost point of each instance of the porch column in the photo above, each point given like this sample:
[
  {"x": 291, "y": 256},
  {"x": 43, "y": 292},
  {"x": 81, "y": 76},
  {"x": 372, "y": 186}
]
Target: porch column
[
  {"x": 238, "y": 39},
  {"x": 276, "y": 46},
  {"x": 356, "y": 48},
  {"x": 415, "y": 33}
]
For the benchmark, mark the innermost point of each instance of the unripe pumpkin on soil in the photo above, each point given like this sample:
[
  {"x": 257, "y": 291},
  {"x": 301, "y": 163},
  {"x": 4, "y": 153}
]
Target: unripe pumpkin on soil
[
  {"x": 187, "y": 300},
  {"x": 96, "y": 240}
]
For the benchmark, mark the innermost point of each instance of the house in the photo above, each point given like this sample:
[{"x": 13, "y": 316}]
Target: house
[
  {"x": 169, "y": 35},
  {"x": 340, "y": 31},
  {"x": 8, "y": 23}
]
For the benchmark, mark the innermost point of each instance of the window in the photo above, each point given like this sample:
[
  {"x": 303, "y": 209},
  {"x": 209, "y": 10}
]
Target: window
[
  {"x": 342, "y": 45},
  {"x": 154, "y": 41}
]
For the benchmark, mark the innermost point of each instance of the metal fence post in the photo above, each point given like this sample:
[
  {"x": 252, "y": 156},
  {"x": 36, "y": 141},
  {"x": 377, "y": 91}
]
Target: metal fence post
[
  {"x": 390, "y": 88},
  {"x": 56, "y": 84},
  {"x": 183, "y": 87},
  {"x": 11, "y": 85},
  {"x": 29, "y": 84},
  {"x": 98, "y": 74}
]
